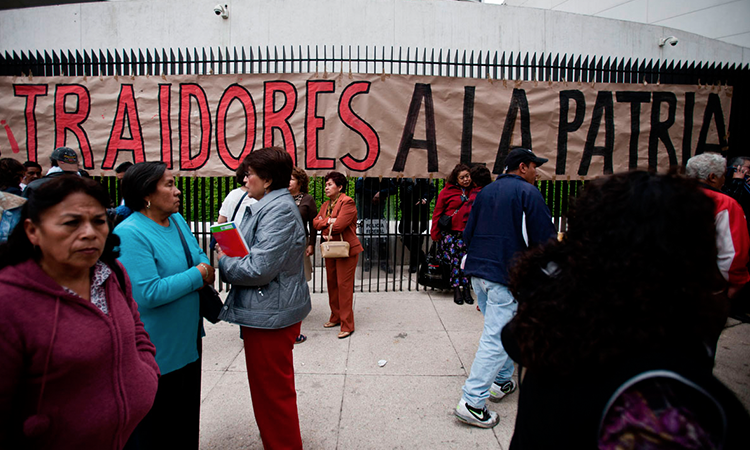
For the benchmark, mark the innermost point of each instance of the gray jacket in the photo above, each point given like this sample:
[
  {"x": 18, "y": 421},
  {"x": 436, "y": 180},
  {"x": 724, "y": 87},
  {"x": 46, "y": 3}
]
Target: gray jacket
[{"x": 269, "y": 289}]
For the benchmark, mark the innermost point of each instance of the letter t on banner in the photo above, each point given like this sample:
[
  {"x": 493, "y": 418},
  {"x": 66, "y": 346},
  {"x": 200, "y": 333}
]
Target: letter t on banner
[{"x": 30, "y": 92}]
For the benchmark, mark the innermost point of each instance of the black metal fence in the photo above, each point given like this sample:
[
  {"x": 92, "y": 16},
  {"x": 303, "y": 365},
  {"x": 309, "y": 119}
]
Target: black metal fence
[{"x": 390, "y": 269}]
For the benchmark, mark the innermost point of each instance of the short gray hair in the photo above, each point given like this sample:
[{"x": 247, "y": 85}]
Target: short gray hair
[{"x": 705, "y": 164}]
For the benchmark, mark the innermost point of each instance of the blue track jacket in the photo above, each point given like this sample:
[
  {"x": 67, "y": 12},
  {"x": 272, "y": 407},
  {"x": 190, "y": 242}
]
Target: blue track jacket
[{"x": 508, "y": 216}]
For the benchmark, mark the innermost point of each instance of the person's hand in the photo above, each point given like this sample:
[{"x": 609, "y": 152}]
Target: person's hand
[
  {"x": 219, "y": 252},
  {"x": 211, "y": 276},
  {"x": 208, "y": 273},
  {"x": 421, "y": 202},
  {"x": 376, "y": 197},
  {"x": 740, "y": 172},
  {"x": 309, "y": 250},
  {"x": 331, "y": 220}
]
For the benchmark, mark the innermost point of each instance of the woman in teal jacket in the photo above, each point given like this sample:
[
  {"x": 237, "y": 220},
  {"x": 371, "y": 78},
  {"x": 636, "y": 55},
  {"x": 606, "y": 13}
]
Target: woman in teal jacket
[{"x": 165, "y": 288}]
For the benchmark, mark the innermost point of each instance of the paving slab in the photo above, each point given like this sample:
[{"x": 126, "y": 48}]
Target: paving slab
[
  {"x": 465, "y": 344},
  {"x": 222, "y": 346},
  {"x": 209, "y": 380},
  {"x": 733, "y": 360},
  {"x": 406, "y": 412},
  {"x": 319, "y": 400},
  {"x": 456, "y": 317},
  {"x": 406, "y": 352},
  {"x": 398, "y": 312},
  {"x": 322, "y": 353},
  {"x": 227, "y": 420}
]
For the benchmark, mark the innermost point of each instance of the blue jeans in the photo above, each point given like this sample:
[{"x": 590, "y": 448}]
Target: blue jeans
[{"x": 491, "y": 362}]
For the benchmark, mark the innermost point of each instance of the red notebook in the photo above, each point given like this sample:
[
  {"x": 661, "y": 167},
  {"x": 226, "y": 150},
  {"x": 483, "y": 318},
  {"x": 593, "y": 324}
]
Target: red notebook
[{"x": 230, "y": 239}]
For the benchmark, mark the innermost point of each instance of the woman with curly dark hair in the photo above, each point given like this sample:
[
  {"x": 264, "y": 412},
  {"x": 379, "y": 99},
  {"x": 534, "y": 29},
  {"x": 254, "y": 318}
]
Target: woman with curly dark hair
[
  {"x": 454, "y": 201},
  {"x": 614, "y": 318}
]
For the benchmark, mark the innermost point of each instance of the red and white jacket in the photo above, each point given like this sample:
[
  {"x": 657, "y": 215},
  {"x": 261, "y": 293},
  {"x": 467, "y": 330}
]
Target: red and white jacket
[{"x": 732, "y": 239}]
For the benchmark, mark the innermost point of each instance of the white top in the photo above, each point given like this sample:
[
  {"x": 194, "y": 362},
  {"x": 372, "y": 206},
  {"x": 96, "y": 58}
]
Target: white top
[{"x": 230, "y": 203}]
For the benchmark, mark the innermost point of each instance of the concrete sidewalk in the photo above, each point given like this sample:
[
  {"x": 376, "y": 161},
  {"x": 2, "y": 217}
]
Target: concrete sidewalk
[{"x": 346, "y": 401}]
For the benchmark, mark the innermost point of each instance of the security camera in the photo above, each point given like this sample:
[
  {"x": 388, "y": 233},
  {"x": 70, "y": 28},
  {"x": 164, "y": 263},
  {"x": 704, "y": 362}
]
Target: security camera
[
  {"x": 671, "y": 40},
  {"x": 221, "y": 10}
]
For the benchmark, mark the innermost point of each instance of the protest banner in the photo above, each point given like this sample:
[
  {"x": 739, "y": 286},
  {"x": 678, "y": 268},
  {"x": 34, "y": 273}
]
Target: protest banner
[{"x": 360, "y": 124}]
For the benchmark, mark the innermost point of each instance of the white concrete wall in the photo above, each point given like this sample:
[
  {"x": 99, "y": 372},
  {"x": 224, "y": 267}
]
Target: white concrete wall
[
  {"x": 440, "y": 24},
  {"x": 723, "y": 20}
]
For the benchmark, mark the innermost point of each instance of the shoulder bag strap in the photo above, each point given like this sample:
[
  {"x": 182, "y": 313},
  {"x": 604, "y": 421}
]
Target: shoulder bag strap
[
  {"x": 651, "y": 374},
  {"x": 459, "y": 206},
  {"x": 237, "y": 208},
  {"x": 330, "y": 233},
  {"x": 184, "y": 244}
]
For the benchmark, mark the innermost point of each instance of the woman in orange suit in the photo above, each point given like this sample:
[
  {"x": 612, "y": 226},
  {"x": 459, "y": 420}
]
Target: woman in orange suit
[{"x": 339, "y": 216}]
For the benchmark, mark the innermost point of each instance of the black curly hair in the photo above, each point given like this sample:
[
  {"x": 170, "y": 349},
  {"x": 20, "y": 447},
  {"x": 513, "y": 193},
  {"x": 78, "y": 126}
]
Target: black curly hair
[
  {"x": 636, "y": 269},
  {"x": 453, "y": 177}
]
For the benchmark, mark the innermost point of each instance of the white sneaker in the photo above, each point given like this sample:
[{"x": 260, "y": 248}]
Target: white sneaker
[
  {"x": 482, "y": 418},
  {"x": 497, "y": 392}
]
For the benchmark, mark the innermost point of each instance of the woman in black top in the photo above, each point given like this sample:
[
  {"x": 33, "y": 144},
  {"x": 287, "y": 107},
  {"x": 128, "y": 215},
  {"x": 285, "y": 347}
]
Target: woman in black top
[{"x": 298, "y": 187}]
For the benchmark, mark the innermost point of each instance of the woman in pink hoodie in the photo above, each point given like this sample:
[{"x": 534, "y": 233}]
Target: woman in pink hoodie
[{"x": 78, "y": 369}]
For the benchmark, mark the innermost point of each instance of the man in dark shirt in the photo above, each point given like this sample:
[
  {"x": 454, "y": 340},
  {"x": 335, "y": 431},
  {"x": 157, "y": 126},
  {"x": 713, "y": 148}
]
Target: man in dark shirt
[
  {"x": 64, "y": 160},
  {"x": 508, "y": 216},
  {"x": 33, "y": 171}
]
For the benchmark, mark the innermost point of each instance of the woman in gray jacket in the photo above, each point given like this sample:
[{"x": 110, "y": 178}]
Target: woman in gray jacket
[{"x": 269, "y": 295}]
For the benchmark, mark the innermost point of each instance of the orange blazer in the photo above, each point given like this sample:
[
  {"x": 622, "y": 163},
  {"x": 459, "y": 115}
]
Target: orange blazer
[{"x": 345, "y": 226}]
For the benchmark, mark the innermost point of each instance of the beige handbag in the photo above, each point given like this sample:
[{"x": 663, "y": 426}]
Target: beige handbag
[{"x": 334, "y": 249}]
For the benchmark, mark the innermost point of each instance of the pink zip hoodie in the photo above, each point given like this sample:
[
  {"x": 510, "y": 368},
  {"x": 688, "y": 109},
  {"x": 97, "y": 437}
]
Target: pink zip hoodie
[{"x": 71, "y": 377}]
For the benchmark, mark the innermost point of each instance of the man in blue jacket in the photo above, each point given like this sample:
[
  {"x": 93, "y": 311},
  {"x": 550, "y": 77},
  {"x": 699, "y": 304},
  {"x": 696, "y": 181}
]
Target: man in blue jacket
[{"x": 508, "y": 216}]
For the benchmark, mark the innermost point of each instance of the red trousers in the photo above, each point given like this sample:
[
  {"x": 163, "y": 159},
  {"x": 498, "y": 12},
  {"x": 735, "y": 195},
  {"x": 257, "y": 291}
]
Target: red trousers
[
  {"x": 340, "y": 276},
  {"x": 270, "y": 372}
]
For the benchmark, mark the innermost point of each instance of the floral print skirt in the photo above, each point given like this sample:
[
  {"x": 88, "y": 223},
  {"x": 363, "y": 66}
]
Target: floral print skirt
[{"x": 451, "y": 250}]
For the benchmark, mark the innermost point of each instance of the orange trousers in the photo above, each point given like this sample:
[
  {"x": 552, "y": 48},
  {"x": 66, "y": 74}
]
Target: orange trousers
[{"x": 340, "y": 276}]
